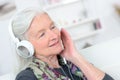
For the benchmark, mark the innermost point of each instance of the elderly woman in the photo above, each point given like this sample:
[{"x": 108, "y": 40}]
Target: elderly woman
[{"x": 49, "y": 52}]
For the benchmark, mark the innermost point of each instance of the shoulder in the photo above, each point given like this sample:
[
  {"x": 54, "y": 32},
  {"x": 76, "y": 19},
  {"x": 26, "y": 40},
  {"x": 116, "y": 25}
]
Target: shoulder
[
  {"x": 107, "y": 77},
  {"x": 26, "y": 74}
]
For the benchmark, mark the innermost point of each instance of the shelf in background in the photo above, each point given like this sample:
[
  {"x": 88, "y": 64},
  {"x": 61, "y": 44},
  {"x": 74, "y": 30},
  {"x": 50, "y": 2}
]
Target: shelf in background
[
  {"x": 73, "y": 17},
  {"x": 66, "y": 13},
  {"x": 85, "y": 28},
  {"x": 60, "y": 4},
  {"x": 84, "y": 21}
]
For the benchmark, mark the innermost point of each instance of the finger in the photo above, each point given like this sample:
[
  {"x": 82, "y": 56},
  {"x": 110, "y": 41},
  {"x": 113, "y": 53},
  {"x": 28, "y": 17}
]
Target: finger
[
  {"x": 67, "y": 41},
  {"x": 64, "y": 37},
  {"x": 65, "y": 34}
]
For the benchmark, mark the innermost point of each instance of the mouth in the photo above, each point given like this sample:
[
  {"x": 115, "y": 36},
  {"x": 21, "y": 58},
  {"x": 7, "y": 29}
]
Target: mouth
[{"x": 54, "y": 44}]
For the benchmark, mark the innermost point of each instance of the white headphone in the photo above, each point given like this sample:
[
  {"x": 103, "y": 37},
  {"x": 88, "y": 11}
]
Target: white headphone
[{"x": 24, "y": 48}]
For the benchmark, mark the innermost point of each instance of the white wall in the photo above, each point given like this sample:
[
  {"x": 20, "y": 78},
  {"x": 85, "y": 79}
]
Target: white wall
[
  {"x": 22, "y": 4},
  {"x": 6, "y": 57}
]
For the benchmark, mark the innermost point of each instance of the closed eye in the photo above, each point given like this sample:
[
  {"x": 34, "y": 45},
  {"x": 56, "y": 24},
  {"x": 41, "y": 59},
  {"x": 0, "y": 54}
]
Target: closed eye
[
  {"x": 53, "y": 27},
  {"x": 42, "y": 34}
]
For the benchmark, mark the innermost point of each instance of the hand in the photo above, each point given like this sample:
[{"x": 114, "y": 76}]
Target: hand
[
  {"x": 69, "y": 51},
  {"x": 71, "y": 54}
]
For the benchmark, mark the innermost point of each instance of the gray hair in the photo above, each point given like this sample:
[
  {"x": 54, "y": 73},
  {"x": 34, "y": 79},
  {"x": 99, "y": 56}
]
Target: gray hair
[
  {"x": 22, "y": 21},
  {"x": 20, "y": 24}
]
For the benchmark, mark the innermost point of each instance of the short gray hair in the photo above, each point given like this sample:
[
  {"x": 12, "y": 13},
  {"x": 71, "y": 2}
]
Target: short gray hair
[{"x": 22, "y": 21}]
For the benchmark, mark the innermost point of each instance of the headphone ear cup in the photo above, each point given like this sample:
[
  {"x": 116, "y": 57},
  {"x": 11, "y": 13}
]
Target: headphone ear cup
[{"x": 25, "y": 49}]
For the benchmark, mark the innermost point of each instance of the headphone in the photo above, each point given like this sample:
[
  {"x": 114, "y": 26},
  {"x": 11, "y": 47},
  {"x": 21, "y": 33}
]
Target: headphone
[{"x": 24, "y": 48}]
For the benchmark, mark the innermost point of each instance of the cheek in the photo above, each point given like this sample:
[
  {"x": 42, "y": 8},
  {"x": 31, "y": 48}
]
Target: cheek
[
  {"x": 41, "y": 44},
  {"x": 40, "y": 48},
  {"x": 58, "y": 33}
]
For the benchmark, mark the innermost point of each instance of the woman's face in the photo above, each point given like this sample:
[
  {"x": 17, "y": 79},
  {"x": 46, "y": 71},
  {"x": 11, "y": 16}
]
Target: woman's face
[{"x": 44, "y": 36}]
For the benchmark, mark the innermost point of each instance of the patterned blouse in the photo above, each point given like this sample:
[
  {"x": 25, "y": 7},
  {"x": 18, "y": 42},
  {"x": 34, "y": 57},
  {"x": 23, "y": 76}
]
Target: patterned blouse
[
  {"x": 67, "y": 72},
  {"x": 39, "y": 70}
]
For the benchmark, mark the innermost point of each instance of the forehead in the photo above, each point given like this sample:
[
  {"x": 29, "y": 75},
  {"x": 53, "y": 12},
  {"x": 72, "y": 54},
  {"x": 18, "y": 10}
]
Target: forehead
[{"x": 41, "y": 19}]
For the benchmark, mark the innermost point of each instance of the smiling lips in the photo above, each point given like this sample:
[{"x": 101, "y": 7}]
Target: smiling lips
[{"x": 54, "y": 44}]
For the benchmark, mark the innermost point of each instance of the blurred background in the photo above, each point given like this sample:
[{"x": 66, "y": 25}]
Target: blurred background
[{"x": 89, "y": 22}]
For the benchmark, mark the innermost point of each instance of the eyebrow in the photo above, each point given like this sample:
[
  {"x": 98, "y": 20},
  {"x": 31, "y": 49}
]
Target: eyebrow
[
  {"x": 39, "y": 31},
  {"x": 52, "y": 23}
]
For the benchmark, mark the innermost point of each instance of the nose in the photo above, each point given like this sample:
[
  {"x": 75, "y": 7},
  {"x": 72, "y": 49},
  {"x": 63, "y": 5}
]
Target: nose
[{"x": 53, "y": 35}]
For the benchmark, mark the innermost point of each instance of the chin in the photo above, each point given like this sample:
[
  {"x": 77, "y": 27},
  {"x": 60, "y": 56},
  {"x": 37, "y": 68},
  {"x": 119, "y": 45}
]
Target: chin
[{"x": 58, "y": 50}]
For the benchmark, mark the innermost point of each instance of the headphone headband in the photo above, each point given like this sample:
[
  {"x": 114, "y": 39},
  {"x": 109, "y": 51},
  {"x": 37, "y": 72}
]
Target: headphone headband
[
  {"x": 24, "y": 48},
  {"x": 16, "y": 40}
]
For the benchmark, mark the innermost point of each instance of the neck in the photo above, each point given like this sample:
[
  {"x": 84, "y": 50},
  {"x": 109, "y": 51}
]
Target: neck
[{"x": 52, "y": 61}]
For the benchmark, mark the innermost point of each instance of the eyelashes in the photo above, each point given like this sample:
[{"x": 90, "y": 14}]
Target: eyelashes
[
  {"x": 44, "y": 32},
  {"x": 53, "y": 27}
]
